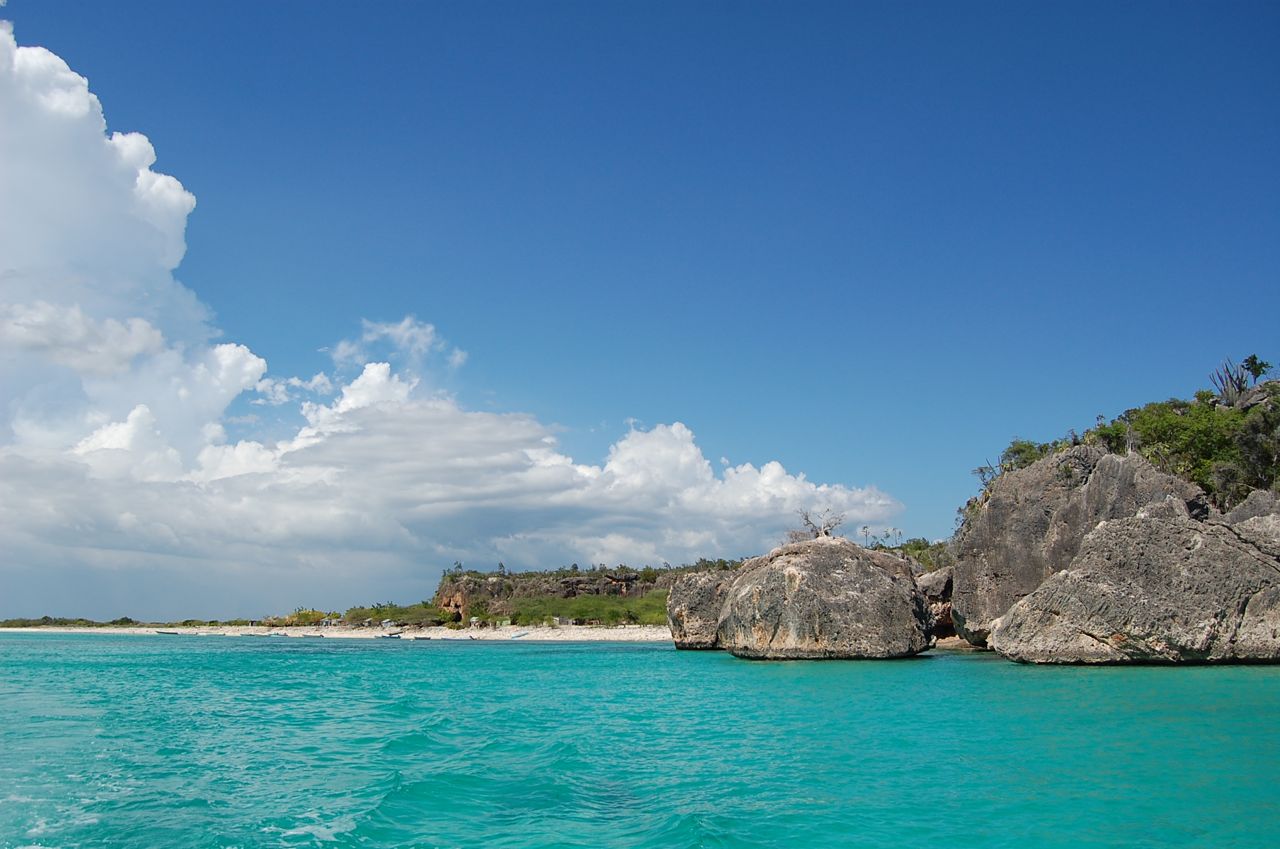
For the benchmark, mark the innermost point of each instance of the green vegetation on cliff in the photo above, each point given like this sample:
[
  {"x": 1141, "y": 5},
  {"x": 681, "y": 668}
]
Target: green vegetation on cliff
[
  {"x": 930, "y": 555},
  {"x": 423, "y": 613},
  {"x": 1228, "y": 451},
  {"x": 1226, "y": 440},
  {"x": 647, "y": 609}
]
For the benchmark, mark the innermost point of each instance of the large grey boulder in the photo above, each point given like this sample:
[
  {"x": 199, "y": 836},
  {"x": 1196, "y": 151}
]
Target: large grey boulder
[
  {"x": 824, "y": 598},
  {"x": 1032, "y": 522},
  {"x": 693, "y": 608},
  {"x": 1154, "y": 590}
]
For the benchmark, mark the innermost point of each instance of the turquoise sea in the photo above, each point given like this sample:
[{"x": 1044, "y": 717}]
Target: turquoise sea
[{"x": 153, "y": 742}]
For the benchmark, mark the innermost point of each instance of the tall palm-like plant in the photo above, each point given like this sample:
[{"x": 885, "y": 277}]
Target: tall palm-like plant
[{"x": 1231, "y": 381}]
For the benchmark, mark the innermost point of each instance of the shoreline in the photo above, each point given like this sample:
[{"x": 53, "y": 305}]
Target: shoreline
[
  {"x": 504, "y": 633},
  {"x": 532, "y": 633}
]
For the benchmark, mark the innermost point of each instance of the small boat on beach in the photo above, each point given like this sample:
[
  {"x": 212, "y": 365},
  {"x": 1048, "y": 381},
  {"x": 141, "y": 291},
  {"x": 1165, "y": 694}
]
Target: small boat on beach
[
  {"x": 394, "y": 636},
  {"x": 168, "y": 633}
]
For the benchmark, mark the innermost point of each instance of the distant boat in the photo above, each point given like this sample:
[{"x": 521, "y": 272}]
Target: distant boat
[
  {"x": 394, "y": 636},
  {"x": 521, "y": 634},
  {"x": 168, "y": 633},
  {"x": 313, "y": 636}
]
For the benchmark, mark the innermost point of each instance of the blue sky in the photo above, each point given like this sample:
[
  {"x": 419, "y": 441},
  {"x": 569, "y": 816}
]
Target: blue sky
[{"x": 872, "y": 242}]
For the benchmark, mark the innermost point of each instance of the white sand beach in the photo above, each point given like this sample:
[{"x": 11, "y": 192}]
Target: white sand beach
[{"x": 533, "y": 633}]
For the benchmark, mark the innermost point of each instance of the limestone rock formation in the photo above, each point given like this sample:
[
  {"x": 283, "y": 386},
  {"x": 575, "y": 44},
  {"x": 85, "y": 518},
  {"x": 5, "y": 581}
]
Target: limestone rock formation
[
  {"x": 1259, "y": 503},
  {"x": 693, "y": 608},
  {"x": 1154, "y": 590},
  {"x": 1255, "y": 396},
  {"x": 1033, "y": 520},
  {"x": 824, "y": 598},
  {"x": 936, "y": 586},
  {"x": 1257, "y": 519}
]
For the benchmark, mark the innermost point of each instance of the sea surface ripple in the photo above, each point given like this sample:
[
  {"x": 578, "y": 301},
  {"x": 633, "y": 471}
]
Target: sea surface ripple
[{"x": 152, "y": 742}]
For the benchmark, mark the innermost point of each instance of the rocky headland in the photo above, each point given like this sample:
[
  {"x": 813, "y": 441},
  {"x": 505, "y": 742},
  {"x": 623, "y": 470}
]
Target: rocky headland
[
  {"x": 1030, "y": 523},
  {"x": 1082, "y": 551},
  {"x": 1155, "y": 588}
]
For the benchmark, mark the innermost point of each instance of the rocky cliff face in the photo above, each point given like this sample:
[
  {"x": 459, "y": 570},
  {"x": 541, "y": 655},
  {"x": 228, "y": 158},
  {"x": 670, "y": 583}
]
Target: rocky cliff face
[
  {"x": 1259, "y": 503},
  {"x": 1156, "y": 588},
  {"x": 824, "y": 598},
  {"x": 1033, "y": 521},
  {"x": 693, "y": 608},
  {"x": 937, "y": 588}
]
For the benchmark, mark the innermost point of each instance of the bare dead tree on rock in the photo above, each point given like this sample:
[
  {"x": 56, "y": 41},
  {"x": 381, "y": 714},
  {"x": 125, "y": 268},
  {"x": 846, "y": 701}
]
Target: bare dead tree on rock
[{"x": 814, "y": 524}]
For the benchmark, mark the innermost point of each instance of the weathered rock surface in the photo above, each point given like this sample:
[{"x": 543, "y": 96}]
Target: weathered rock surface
[
  {"x": 1259, "y": 503},
  {"x": 1257, "y": 519},
  {"x": 1034, "y": 520},
  {"x": 693, "y": 608},
  {"x": 1263, "y": 393},
  {"x": 824, "y": 598},
  {"x": 1262, "y": 531},
  {"x": 1154, "y": 590},
  {"x": 936, "y": 587}
]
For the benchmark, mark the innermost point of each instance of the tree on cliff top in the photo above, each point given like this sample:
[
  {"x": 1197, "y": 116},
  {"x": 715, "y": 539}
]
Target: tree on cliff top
[
  {"x": 1256, "y": 367},
  {"x": 814, "y": 524}
]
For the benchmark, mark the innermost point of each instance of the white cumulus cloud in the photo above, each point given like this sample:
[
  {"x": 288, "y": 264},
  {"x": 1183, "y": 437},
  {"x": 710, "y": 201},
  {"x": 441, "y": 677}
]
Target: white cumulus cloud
[
  {"x": 410, "y": 339},
  {"x": 67, "y": 336},
  {"x": 131, "y": 448},
  {"x": 122, "y": 493}
]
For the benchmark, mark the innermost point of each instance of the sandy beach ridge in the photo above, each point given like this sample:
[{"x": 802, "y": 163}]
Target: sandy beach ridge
[{"x": 532, "y": 633}]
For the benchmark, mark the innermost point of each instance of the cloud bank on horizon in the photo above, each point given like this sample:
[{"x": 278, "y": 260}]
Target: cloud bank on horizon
[{"x": 121, "y": 492}]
